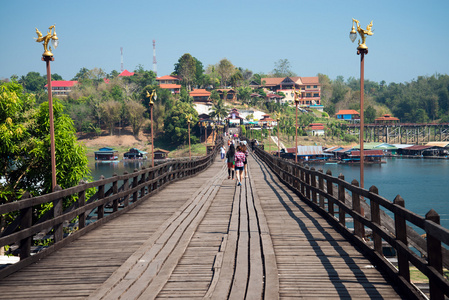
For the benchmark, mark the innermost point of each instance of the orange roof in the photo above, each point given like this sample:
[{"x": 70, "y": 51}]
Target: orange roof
[
  {"x": 310, "y": 80},
  {"x": 199, "y": 93},
  {"x": 296, "y": 79},
  {"x": 272, "y": 81},
  {"x": 316, "y": 126},
  {"x": 168, "y": 77},
  {"x": 347, "y": 112},
  {"x": 387, "y": 117},
  {"x": 169, "y": 86}
]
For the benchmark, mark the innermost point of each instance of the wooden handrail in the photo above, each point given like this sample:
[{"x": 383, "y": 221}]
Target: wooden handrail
[
  {"x": 348, "y": 199},
  {"x": 135, "y": 188}
]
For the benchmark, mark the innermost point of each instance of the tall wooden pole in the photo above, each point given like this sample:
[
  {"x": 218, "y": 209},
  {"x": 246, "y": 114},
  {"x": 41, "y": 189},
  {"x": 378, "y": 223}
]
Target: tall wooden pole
[
  {"x": 279, "y": 143},
  {"x": 47, "y": 60},
  {"x": 362, "y": 53},
  {"x": 296, "y": 132},
  {"x": 190, "y": 153},
  {"x": 152, "y": 138}
]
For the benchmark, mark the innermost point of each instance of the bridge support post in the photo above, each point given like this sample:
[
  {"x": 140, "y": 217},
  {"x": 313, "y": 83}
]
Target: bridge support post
[
  {"x": 313, "y": 184},
  {"x": 57, "y": 211},
  {"x": 375, "y": 218},
  {"x": 100, "y": 211},
  {"x": 321, "y": 187},
  {"x": 358, "y": 227},
  {"x": 330, "y": 191},
  {"x": 435, "y": 257},
  {"x": 25, "y": 222},
  {"x": 114, "y": 191},
  {"x": 126, "y": 187},
  {"x": 81, "y": 202},
  {"x": 142, "y": 180},
  {"x": 341, "y": 198},
  {"x": 307, "y": 173},
  {"x": 401, "y": 236},
  {"x": 135, "y": 183}
]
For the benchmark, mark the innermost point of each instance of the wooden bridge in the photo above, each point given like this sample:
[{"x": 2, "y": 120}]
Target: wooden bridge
[{"x": 281, "y": 234}]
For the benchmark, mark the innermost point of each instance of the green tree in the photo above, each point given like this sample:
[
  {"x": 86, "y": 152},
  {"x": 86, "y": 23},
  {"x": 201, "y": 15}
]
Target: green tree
[
  {"x": 282, "y": 68},
  {"x": 33, "y": 82},
  {"x": 186, "y": 69},
  {"x": 110, "y": 113},
  {"x": 244, "y": 94},
  {"x": 236, "y": 79},
  {"x": 219, "y": 111},
  {"x": 175, "y": 124},
  {"x": 370, "y": 114},
  {"x": 225, "y": 69},
  {"x": 134, "y": 114},
  {"x": 25, "y": 155}
]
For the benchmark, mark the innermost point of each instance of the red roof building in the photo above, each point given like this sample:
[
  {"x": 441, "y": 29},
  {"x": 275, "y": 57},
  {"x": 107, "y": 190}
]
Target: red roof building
[
  {"x": 168, "y": 79},
  {"x": 315, "y": 129},
  {"x": 386, "y": 119},
  {"x": 267, "y": 121},
  {"x": 200, "y": 95},
  {"x": 62, "y": 87},
  {"x": 173, "y": 88},
  {"x": 126, "y": 73}
]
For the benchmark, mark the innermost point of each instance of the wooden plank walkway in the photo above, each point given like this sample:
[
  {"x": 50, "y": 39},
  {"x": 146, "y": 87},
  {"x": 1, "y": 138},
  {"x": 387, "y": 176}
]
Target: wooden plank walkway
[{"x": 204, "y": 237}]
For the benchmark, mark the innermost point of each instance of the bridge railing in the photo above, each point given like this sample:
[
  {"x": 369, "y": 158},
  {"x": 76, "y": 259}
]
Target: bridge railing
[
  {"x": 61, "y": 227},
  {"x": 337, "y": 200}
]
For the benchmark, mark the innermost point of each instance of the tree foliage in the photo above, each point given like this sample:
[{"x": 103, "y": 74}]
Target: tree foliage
[
  {"x": 225, "y": 69},
  {"x": 25, "y": 156},
  {"x": 175, "y": 124},
  {"x": 282, "y": 68},
  {"x": 186, "y": 69}
]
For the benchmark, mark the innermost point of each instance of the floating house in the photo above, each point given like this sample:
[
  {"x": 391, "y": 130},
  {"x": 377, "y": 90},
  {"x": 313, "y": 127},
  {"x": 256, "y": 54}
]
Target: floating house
[
  {"x": 370, "y": 157},
  {"x": 306, "y": 153},
  {"x": 160, "y": 154},
  {"x": 106, "y": 154},
  {"x": 135, "y": 153}
]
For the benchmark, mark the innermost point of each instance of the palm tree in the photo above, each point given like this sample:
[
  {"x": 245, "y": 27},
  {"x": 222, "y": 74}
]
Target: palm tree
[{"x": 219, "y": 111}]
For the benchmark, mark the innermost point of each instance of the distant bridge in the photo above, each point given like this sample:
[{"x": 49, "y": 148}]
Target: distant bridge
[
  {"x": 403, "y": 133},
  {"x": 283, "y": 234}
]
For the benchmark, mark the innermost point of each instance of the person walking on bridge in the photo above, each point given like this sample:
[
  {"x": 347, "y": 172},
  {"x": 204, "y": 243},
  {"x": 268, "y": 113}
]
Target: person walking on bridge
[
  {"x": 239, "y": 164},
  {"x": 245, "y": 163},
  {"x": 230, "y": 159}
]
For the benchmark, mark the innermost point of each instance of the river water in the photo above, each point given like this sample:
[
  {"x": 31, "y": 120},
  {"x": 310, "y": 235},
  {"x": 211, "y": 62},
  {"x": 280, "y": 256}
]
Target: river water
[{"x": 423, "y": 183}]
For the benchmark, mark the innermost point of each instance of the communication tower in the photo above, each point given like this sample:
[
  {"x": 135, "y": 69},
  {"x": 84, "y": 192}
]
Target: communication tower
[
  {"x": 121, "y": 59},
  {"x": 154, "y": 58}
]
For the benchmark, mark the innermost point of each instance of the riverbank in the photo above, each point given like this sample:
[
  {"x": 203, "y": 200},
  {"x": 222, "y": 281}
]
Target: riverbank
[{"x": 126, "y": 140}]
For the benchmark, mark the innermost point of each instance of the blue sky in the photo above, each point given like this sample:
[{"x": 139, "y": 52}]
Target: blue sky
[{"x": 410, "y": 37}]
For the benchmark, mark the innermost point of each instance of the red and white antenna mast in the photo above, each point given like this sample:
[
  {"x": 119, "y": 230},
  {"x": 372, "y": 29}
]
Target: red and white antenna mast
[
  {"x": 121, "y": 59},
  {"x": 154, "y": 58}
]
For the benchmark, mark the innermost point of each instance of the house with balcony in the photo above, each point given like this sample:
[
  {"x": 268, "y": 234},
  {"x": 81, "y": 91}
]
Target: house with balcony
[
  {"x": 266, "y": 121},
  {"x": 315, "y": 129},
  {"x": 309, "y": 88},
  {"x": 171, "y": 83},
  {"x": 61, "y": 87},
  {"x": 200, "y": 96}
]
